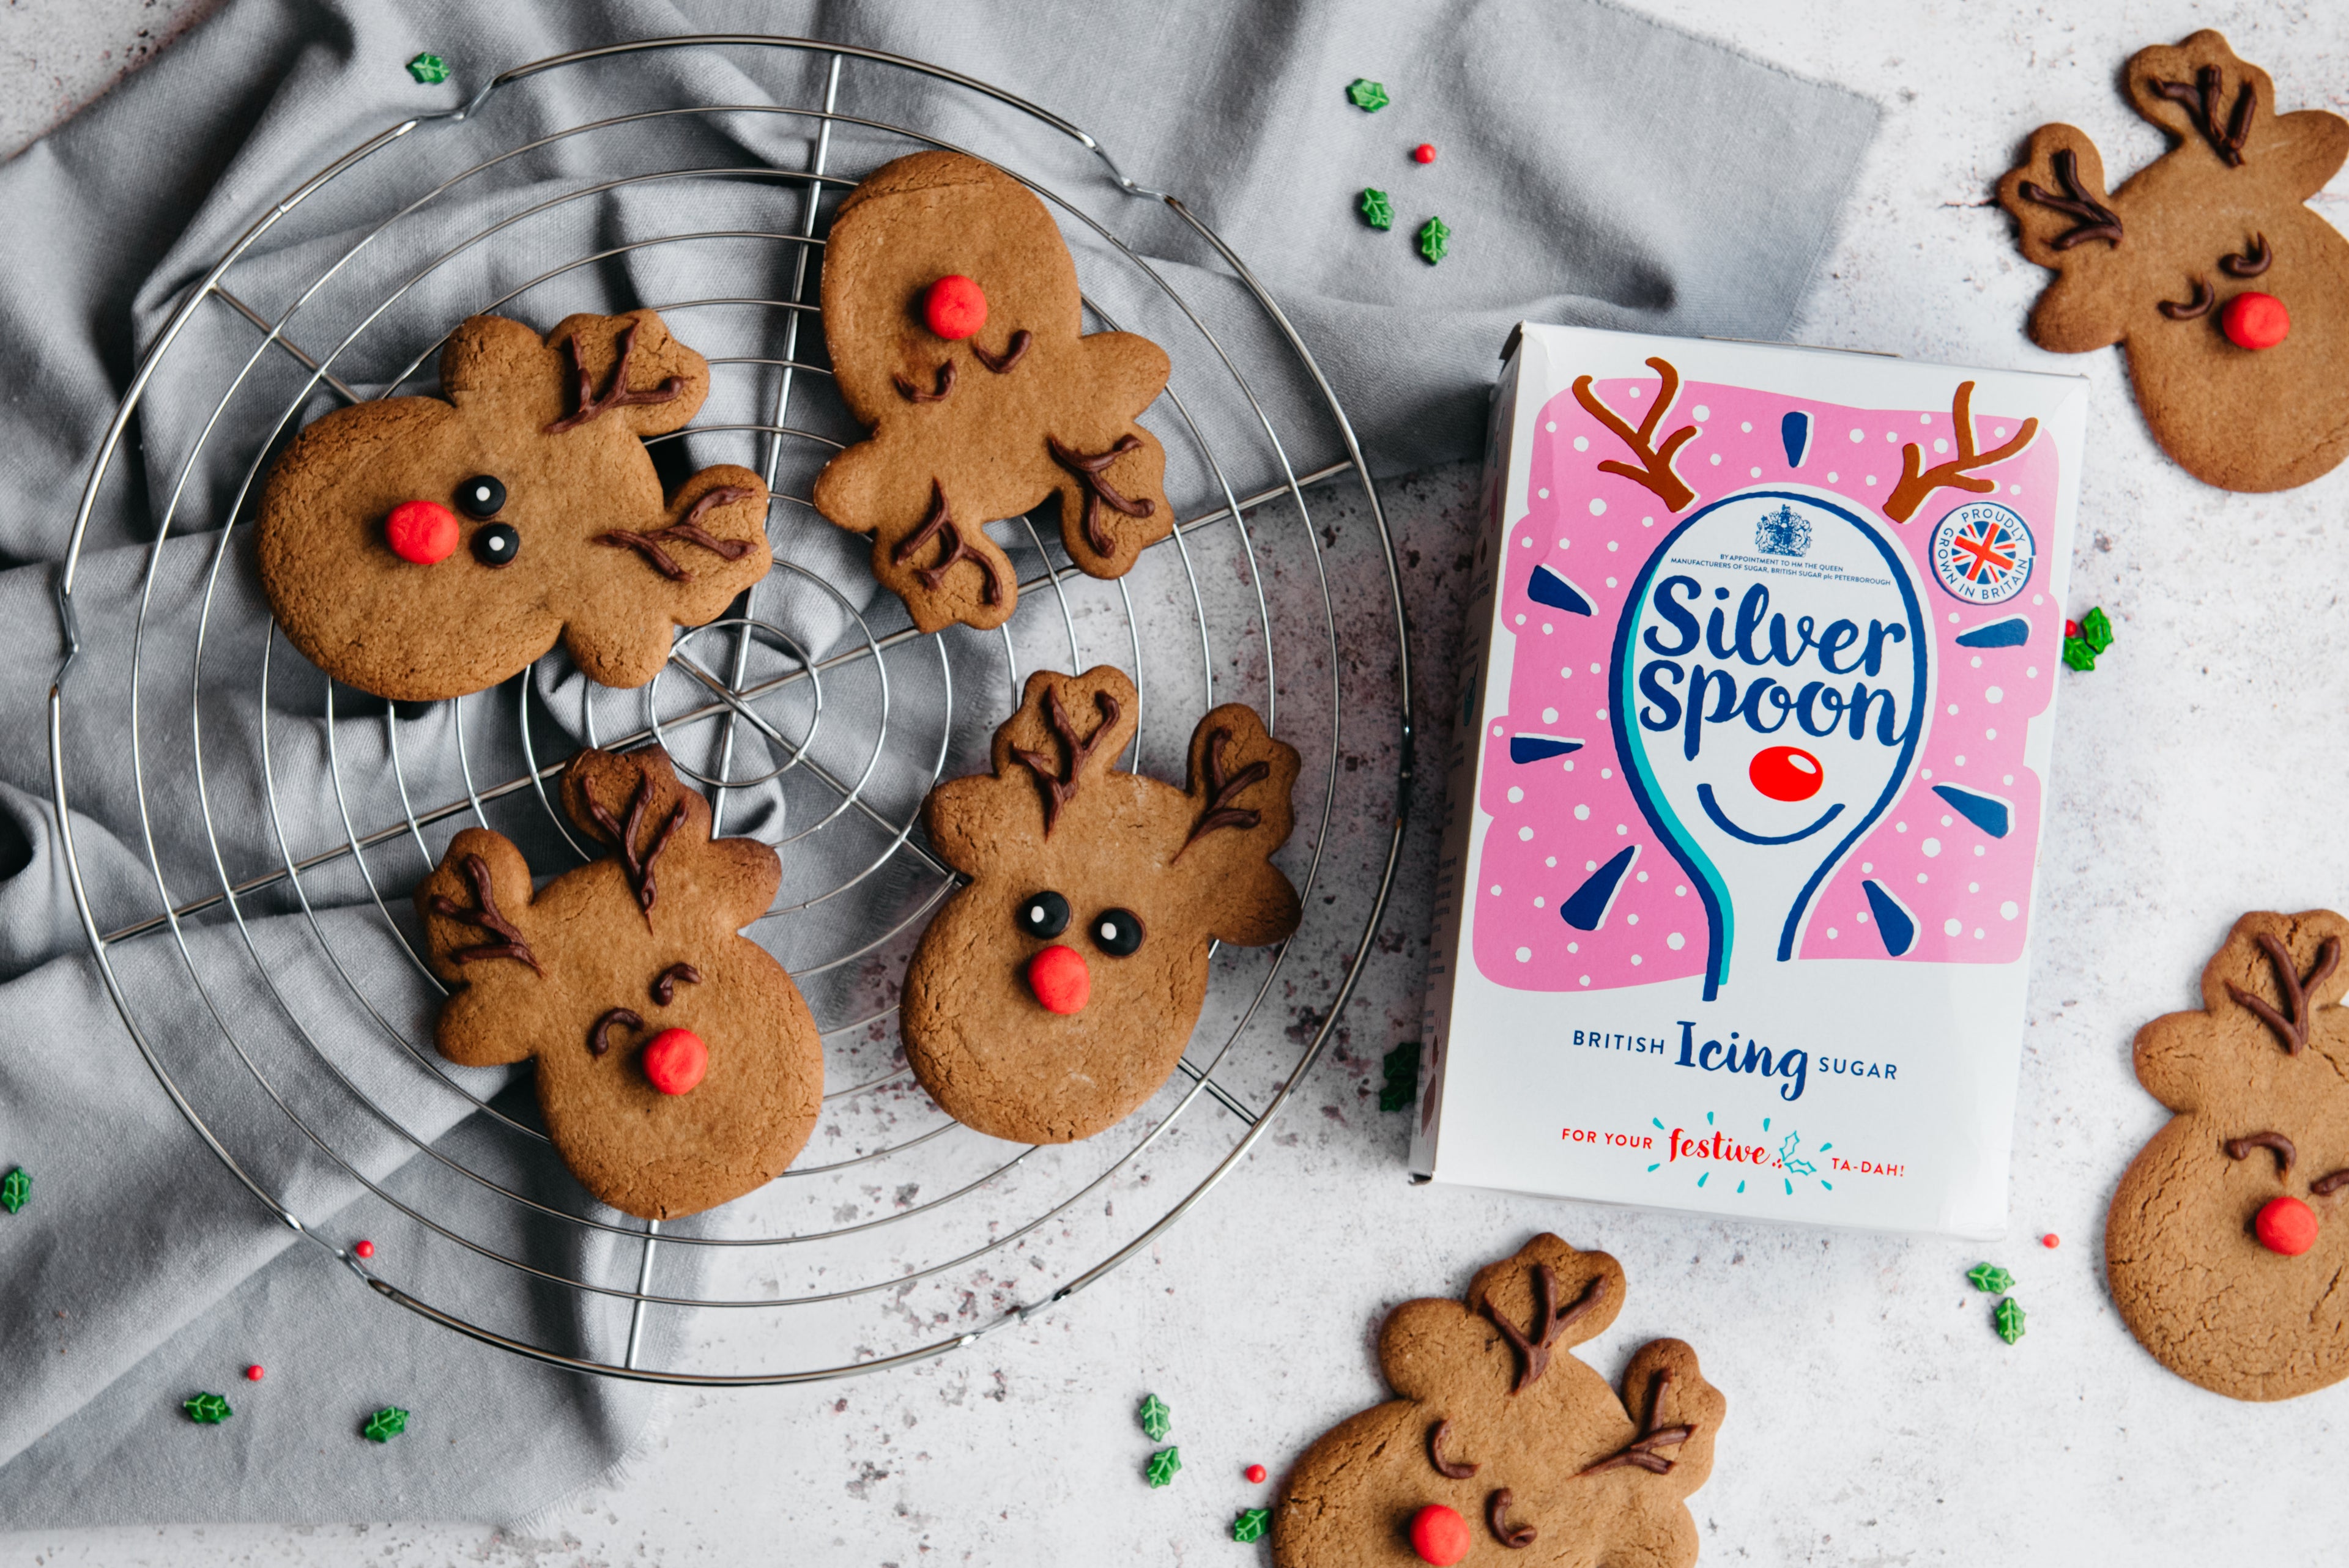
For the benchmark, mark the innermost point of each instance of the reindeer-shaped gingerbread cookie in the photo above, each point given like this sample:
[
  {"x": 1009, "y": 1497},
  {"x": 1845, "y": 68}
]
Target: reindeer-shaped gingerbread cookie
[
  {"x": 421, "y": 548},
  {"x": 1056, "y": 992},
  {"x": 2229, "y": 1234},
  {"x": 2230, "y": 296},
  {"x": 1501, "y": 1445},
  {"x": 678, "y": 1065},
  {"x": 956, "y": 332}
]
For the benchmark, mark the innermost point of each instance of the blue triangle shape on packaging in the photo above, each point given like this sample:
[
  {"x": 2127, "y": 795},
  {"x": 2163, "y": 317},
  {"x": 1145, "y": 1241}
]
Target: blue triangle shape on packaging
[
  {"x": 1550, "y": 587},
  {"x": 1536, "y": 748},
  {"x": 1893, "y": 921},
  {"x": 1587, "y": 908},
  {"x": 1988, "y": 813},
  {"x": 1795, "y": 433},
  {"x": 2011, "y": 633}
]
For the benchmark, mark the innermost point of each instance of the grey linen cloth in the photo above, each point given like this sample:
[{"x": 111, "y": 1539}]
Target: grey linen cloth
[{"x": 1593, "y": 168}]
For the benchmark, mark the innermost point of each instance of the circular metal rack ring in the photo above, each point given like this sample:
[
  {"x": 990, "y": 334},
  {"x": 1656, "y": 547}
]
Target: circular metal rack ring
[{"x": 286, "y": 1067}]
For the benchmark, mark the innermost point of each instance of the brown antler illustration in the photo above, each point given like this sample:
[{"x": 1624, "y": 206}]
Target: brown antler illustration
[
  {"x": 1090, "y": 470},
  {"x": 1496, "y": 1520},
  {"x": 2097, "y": 222},
  {"x": 686, "y": 532},
  {"x": 2292, "y": 1026},
  {"x": 1452, "y": 1470},
  {"x": 1655, "y": 469},
  {"x": 2202, "y": 97},
  {"x": 1533, "y": 1350},
  {"x": 1222, "y": 787},
  {"x": 1917, "y": 481},
  {"x": 1060, "y": 787},
  {"x": 1643, "y": 1453},
  {"x": 639, "y": 869},
  {"x": 618, "y": 395},
  {"x": 913, "y": 394},
  {"x": 941, "y": 521},
  {"x": 2241, "y": 1148},
  {"x": 486, "y": 917},
  {"x": 1013, "y": 351}
]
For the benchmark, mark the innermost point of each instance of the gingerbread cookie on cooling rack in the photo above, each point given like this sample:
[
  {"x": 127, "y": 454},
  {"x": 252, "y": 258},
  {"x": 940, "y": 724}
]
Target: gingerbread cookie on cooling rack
[
  {"x": 956, "y": 334},
  {"x": 1501, "y": 1441},
  {"x": 2229, "y": 294},
  {"x": 421, "y": 548},
  {"x": 2228, "y": 1233},
  {"x": 1056, "y": 992},
  {"x": 678, "y": 1065}
]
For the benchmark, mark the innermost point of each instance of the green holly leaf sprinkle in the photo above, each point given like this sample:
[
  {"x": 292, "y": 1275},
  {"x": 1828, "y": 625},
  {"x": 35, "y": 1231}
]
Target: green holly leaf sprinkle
[
  {"x": 1163, "y": 1466},
  {"x": 1251, "y": 1524},
  {"x": 208, "y": 1409},
  {"x": 1156, "y": 1419},
  {"x": 428, "y": 68},
  {"x": 2078, "y": 653},
  {"x": 2008, "y": 1319},
  {"x": 1992, "y": 1278},
  {"x": 385, "y": 1425},
  {"x": 1434, "y": 240},
  {"x": 1377, "y": 211},
  {"x": 15, "y": 1189},
  {"x": 2096, "y": 631},
  {"x": 1368, "y": 96},
  {"x": 1403, "y": 1078}
]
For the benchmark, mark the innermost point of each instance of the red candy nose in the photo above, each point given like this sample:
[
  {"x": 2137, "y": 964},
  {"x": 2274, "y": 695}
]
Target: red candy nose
[
  {"x": 1440, "y": 1535},
  {"x": 2255, "y": 321},
  {"x": 2287, "y": 1226},
  {"x": 675, "y": 1060},
  {"x": 423, "y": 532},
  {"x": 954, "y": 307},
  {"x": 1785, "y": 773},
  {"x": 1059, "y": 978}
]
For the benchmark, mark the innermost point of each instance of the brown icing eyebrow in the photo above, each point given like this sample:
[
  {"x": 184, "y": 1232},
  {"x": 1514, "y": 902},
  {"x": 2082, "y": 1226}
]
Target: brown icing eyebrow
[
  {"x": 2202, "y": 97},
  {"x": 2254, "y": 259},
  {"x": 1642, "y": 1453},
  {"x": 1060, "y": 788},
  {"x": 1449, "y": 1468},
  {"x": 1091, "y": 470},
  {"x": 599, "y": 1038},
  {"x": 913, "y": 394},
  {"x": 1222, "y": 787},
  {"x": 940, "y": 522},
  {"x": 1533, "y": 1350},
  {"x": 2290, "y": 1027},
  {"x": 1013, "y": 353},
  {"x": 2197, "y": 305},
  {"x": 1496, "y": 1517},
  {"x": 2097, "y": 222},
  {"x": 618, "y": 395},
  {"x": 664, "y": 985},
  {"x": 2241, "y": 1148},
  {"x": 2325, "y": 1186},
  {"x": 486, "y": 917}
]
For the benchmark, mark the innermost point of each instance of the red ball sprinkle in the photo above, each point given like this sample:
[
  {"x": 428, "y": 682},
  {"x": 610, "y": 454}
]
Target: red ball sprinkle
[
  {"x": 364, "y": 1249},
  {"x": 2287, "y": 1226},
  {"x": 2051, "y": 1240},
  {"x": 2255, "y": 321},
  {"x": 1785, "y": 773},
  {"x": 1423, "y": 153},
  {"x": 253, "y": 1373},
  {"x": 1059, "y": 978},
  {"x": 954, "y": 307},
  {"x": 1254, "y": 1474},
  {"x": 422, "y": 531},
  {"x": 675, "y": 1060},
  {"x": 2070, "y": 628},
  {"x": 1440, "y": 1535}
]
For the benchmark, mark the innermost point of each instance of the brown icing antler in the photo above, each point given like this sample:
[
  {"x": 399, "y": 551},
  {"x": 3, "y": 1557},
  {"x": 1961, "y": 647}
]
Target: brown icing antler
[
  {"x": 638, "y": 869},
  {"x": 1090, "y": 470},
  {"x": 487, "y": 918},
  {"x": 1917, "y": 482},
  {"x": 665, "y": 982},
  {"x": 618, "y": 395},
  {"x": 1222, "y": 787},
  {"x": 2193, "y": 308},
  {"x": 1642, "y": 1453},
  {"x": 941, "y": 521},
  {"x": 1533, "y": 1350},
  {"x": 687, "y": 531},
  {"x": 2290, "y": 1027},
  {"x": 1059, "y": 787},
  {"x": 2097, "y": 222},
  {"x": 599, "y": 1038},
  {"x": 2241, "y": 1148},
  {"x": 2254, "y": 259},
  {"x": 1655, "y": 469},
  {"x": 1013, "y": 353},
  {"x": 1496, "y": 1520},
  {"x": 1450, "y": 1469},
  {"x": 913, "y": 394},
  {"x": 2202, "y": 97}
]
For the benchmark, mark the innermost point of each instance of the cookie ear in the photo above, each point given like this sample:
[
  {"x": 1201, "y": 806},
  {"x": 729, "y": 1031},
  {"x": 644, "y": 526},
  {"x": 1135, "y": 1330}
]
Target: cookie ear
[
  {"x": 488, "y": 356},
  {"x": 628, "y": 369},
  {"x": 1240, "y": 782},
  {"x": 476, "y": 910}
]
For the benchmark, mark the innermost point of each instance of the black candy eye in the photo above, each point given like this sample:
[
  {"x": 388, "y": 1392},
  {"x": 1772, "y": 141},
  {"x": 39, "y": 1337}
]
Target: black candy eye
[
  {"x": 1117, "y": 932},
  {"x": 1043, "y": 914},
  {"x": 496, "y": 544},
  {"x": 481, "y": 497}
]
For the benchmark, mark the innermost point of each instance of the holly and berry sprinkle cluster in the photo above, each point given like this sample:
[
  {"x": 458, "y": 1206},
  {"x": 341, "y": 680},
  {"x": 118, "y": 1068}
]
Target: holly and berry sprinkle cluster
[
  {"x": 1157, "y": 1421},
  {"x": 1377, "y": 207}
]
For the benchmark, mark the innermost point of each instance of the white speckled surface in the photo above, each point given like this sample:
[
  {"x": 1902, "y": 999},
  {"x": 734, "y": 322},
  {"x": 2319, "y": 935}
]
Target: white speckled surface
[{"x": 1874, "y": 1418}]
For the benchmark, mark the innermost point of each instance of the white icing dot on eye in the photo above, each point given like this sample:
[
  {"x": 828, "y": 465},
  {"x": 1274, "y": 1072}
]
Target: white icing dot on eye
[
  {"x": 1582, "y": 813},
  {"x": 1703, "y": 413},
  {"x": 1524, "y": 835},
  {"x": 2009, "y": 909},
  {"x": 1515, "y": 794},
  {"x": 1676, "y": 941},
  {"x": 1550, "y": 716},
  {"x": 1952, "y": 927},
  {"x": 1525, "y": 955}
]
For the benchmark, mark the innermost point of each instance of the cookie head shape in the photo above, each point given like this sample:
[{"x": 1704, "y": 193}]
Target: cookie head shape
[
  {"x": 2229, "y": 296},
  {"x": 1056, "y": 992},
  {"x": 957, "y": 333},
  {"x": 678, "y": 1065},
  {"x": 1496, "y": 1423},
  {"x": 2229, "y": 1231},
  {"x": 421, "y": 548}
]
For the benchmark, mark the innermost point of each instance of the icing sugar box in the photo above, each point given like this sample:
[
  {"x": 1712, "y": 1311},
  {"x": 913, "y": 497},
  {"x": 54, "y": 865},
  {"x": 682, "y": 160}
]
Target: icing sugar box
[{"x": 1747, "y": 780}]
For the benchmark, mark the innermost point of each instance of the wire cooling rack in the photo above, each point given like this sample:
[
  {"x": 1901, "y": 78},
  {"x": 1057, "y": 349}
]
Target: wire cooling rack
[{"x": 263, "y": 957}]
